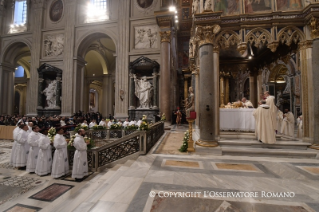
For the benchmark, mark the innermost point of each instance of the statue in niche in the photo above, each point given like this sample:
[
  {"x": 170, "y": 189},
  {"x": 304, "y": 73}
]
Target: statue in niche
[
  {"x": 144, "y": 92},
  {"x": 50, "y": 93},
  {"x": 279, "y": 99},
  {"x": 195, "y": 7},
  {"x": 208, "y": 5},
  {"x": 190, "y": 103}
]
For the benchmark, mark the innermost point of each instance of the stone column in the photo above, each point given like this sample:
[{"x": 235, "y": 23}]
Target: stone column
[
  {"x": 107, "y": 93},
  {"x": 58, "y": 90},
  {"x": 86, "y": 93},
  {"x": 165, "y": 81},
  {"x": 222, "y": 90},
  {"x": 5, "y": 93},
  {"x": 313, "y": 90},
  {"x": 132, "y": 92},
  {"x": 10, "y": 90},
  {"x": 227, "y": 89},
  {"x": 252, "y": 89},
  {"x": 208, "y": 86},
  {"x": 1, "y": 89},
  {"x": 185, "y": 87},
  {"x": 259, "y": 87},
  {"x": 36, "y": 24},
  {"x": 195, "y": 74},
  {"x": 40, "y": 89},
  {"x": 155, "y": 74}
]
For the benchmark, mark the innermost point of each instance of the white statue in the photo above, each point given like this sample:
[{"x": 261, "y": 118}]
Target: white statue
[
  {"x": 143, "y": 91},
  {"x": 50, "y": 93},
  {"x": 208, "y": 5},
  {"x": 195, "y": 7},
  {"x": 278, "y": 98}
]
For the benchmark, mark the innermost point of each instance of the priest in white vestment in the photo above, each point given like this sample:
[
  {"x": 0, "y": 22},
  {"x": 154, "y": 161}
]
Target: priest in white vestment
[
  {"x": 84, "y": 124},
  {"x": 133, "y": 122},
  {"x": 102, "y": 123},
  {"x": 92, "y": 124},
  {"x": 126, "y": 123},
  {"x": 264, "y": 130},
  {"x": 270, "y": 101},
  {"x": 33, "y": 141},
  {"x": 44, "y": 162},
  {"x": 16, "y": 131},
  {"x": 60, "y": 164},
  {"x": 279, "y": 119},
  {"x": 139, "y": 123},
  {"x": 288, "y": 124},
  {"x": 20, "y": 155},
  {"x": 110, "y": 123},
  {"x": 80, "y": 162},
  {"x": 299, "y": 124},
  {"x": 247, "y": 103}
]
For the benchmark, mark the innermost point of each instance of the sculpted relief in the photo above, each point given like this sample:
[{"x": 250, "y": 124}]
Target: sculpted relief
[
  {"x": 146, "y": 37},
  {"x": 53, "y": 45}
]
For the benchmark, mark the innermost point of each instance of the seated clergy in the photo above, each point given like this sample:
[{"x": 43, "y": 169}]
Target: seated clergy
[
  {"x": 44, "y": 162},
  {"x": 288, "y": 124},
  {"x": 20, "y": 154},
  {"x": 246, "y": 103},
  {"x": 33, "y": 141},
  {"x": 110, "y": 123},
  {"x": 92, "y": 124},
  {"x": 133, "y": 122},
  {"x": 279, "y": 119},
  {"x": 60, "y": 164},
  {"x": 139, "y": 123},
  {"x": 80, "y": 162},
  {"x": 84, "y": 124},
  {"x": 264, "y": 128},
  {"x": 102, "y": 123},
  {"x": 16, "y": 131},
  {"x": 126, "y": 123}
]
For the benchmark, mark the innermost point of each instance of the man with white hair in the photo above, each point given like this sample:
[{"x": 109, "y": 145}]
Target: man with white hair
[
  {"x": 126, "y": 123},
  {"x": 247, "y": 103}
]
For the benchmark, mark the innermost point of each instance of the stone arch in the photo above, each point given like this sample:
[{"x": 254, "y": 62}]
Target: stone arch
[
  {"x": 258, "y": 36},
  {"x": 11, "y": 47},
  {"x": 290, "y": 34},
  {"x": 227, "y": 38}
]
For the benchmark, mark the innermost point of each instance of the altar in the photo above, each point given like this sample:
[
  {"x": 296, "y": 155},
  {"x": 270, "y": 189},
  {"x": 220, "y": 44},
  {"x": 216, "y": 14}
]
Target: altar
[{"x": 239, "y": 119}]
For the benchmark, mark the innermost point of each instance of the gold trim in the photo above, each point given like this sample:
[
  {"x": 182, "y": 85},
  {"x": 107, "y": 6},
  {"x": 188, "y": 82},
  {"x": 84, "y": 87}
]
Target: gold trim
[
  {"x": 190, "y": 140},
  {"x": 206, "y": 34},
  {"x": 314, "y": 25},
  {"x": 207, "y": 144},
  {"x": 165, "y": 36}
]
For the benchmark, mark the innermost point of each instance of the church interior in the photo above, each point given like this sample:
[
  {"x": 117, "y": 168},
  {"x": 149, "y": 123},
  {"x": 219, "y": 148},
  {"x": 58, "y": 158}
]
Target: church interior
[{"x": 159, "y": 105}]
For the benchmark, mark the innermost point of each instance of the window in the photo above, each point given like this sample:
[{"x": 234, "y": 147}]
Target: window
[
  {"x": 97, "y": 10},
  {"x": 19, "y": 71},
  {"x": 20, "y": 12}
]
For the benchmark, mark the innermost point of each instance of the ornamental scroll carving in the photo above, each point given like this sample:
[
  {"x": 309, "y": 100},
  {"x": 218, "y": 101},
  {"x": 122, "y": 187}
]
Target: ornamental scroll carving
[
  {"x": 53, "y": 45},
  {"x": 165, "y": 36},
  {"x": 314, "y": 25},
  {"x": 206, "y": 34}
]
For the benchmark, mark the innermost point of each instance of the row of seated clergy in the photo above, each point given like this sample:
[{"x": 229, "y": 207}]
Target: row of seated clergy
[
  {"x": 33, "y": 151},
  {"x": 244, "y": 103},
  {"x": 286, "y": 123}
]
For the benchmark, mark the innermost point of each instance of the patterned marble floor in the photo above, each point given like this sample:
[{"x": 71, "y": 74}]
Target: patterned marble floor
[{"x": 162, "y": 182}]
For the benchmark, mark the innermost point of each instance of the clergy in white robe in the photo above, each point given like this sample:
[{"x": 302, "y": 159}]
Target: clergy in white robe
[
  {"x": 279, "y": 119},
  {"x": 20, "y": 155},
  {"x": 126, "y": 123},
  {"x": 264, "y": 130},
  {"x": 247, "y": 103},
  {"x": 84, "y": 124},
  {"x": 110, "y": 123},
  {"x": 299, "y": 124},
  {"x": 33, "y": 141},
  {"x": 270, "y": 101},
  {"x": 102, "y": 123},
  {"x": 60, "y": 164},
  {"x": 80, "y": 162},
  {"x": 44, "y": 162},
  {"x": 288, "y": 124},
  {"x": 133, "y": 122},
  {"x": 139, "y": 123},
  {"x": 92, "y": 124},
  {"x": 16, "y": 131}
]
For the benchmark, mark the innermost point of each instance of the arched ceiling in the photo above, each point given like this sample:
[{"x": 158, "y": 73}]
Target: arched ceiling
[
  {"x": 277, "y": 73},
  {"x": 96, "y": 65}
]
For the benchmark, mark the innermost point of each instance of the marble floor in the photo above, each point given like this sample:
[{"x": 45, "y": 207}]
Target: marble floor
[{"x": 169, "y": 182}]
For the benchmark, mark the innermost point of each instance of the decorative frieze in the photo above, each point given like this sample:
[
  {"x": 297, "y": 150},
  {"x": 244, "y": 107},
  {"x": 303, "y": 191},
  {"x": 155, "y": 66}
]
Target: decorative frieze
[{"x": 53, "y": 45}]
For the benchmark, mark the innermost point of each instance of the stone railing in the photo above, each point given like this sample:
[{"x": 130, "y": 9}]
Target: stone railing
[{"x": 133, "y": 142}]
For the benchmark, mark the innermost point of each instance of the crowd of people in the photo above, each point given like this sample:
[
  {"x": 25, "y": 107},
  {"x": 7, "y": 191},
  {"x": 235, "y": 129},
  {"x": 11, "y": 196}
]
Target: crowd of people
[{"x": 33, "y": 151}]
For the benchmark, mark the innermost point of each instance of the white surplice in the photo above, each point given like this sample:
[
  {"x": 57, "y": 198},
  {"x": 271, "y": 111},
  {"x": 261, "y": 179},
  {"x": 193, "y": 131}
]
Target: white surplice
[
  {"x": 15, "y": 135},
  {"x": 60, "y": 164},
  {"x": 80, "y": 161},
  {"x": 132, "y": 123},
  {"x": 92, "y": 124},
  {"x": 279, "y": 120},
  {"x": 270, "y": 101},
  {"x": 20, "y": 154},
  {"x": 33, "y": 141},
  {"x": 139, "y": 123},
  {"x": 248, "y": 104},
  {"x": 288, "y": 125},
  {"x": 102, "y": 123},
  {"x": 126, "y": 123},
  {"x": 299, "y": 132},
  {"x": 44, "y": 162},
  {"x": 264, "y": 130}
]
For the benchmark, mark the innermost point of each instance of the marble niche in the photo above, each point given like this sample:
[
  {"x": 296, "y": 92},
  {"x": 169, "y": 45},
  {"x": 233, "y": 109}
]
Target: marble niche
[{"x": 144, "y": 89}]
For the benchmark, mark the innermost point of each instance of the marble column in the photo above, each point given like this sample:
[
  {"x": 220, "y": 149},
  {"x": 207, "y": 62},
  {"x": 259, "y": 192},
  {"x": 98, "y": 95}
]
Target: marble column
[
  {"x": 107, "y": 93},
  {"x": 259, "y": 87},
  {"x": 252, "y": 89},
  {"x": 222, "y": 90},
  {"x": 226, "y": 89},
  {"x": 10, "y": 90},
  {"x": 155, "y": 74},
  {"x": 40, "y": 89},
  {"x": 208, "y": 86},
  {"x": 185, "y": 87},
  {"x": 313, "y": 91},
  {"x": 1, "y": 89},
  {"x": 58, "y": 90},
  {"x": 86, "y": 94},
  {"x": 165, "y": 81},
  {"x": 132, "y": 92},
  {"x": 78, "y": 87},
  {"x": 195, "y": 73}
]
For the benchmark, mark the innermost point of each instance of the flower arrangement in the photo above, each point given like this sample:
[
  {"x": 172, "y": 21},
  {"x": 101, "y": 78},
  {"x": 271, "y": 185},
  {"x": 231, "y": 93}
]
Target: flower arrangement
[
  {"x": 51, "y": 133},
  {"x": 185, "y": 142},
  {"x": 163, "y": 118},
  {"x": 144, "y": 126},
  {"x": 132, "y": 127},
  {"x": 116, "y": 126},
  {"x": 79, "y": 126},
  {"x": 90, "y": 144},
  {"x": 98, "y": 127},
  {"x": 70, "y": 143}
]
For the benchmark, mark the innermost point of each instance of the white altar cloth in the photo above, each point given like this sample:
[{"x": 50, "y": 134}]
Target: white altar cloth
[{"x": 240, "y": 119}]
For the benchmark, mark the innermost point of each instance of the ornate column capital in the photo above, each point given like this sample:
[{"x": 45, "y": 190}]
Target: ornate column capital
[
  {"x": 165, "y": 36},
  {"x": 305, "y": 44},
  {"x": 206, "y": 34},
  {"x": 242, "y": 47},
  {"x": 314, "y": 25}
]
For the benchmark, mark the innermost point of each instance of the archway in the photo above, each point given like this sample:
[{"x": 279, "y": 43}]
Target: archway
[{"x": 14, "y": 76}]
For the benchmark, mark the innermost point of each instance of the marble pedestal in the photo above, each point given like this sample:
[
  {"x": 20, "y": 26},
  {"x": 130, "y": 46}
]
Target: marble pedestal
[
  {"x": 138, "y": 113},
  {"x": 48, "y": 112}
]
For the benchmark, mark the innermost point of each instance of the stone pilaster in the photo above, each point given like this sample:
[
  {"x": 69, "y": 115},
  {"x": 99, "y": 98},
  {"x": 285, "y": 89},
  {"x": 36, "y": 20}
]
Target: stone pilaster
[
  {"x": 132, "y": 92},
  {"x": 155, "y": 74},
  {"x": 208, "y": 85},
  {"x": 107, "y": 94},
  {"x": 1, "y": 88},
  {"x": 227, "y": 88},
  {"x": 40, "y": 88},
  {"x": 165, "y": 81},
  {"x": 252, "y": 89},
  {"x": 36, "y": 23},
  {"x": 79, "y": 84},
  {"x": 259, "y": 86},
  {"x": 10, "y": 90},
  {"x": 313, "y": 92},
  {"x": 222, "y": 90}
]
